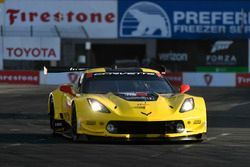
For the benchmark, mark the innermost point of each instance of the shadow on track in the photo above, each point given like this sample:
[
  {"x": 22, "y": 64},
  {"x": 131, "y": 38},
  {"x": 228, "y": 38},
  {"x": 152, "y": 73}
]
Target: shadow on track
[{"x": 25, "y": 138}]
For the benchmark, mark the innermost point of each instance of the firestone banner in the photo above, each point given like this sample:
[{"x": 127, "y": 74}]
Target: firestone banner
[
  {"x": 20, "y": 77},
  {"x": 184, "y": 19},
  {"x": 31, "y": 48},
  {"x": 97, "y": 17}
]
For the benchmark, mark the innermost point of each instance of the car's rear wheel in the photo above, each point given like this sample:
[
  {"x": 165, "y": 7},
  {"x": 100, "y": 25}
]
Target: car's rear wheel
[{"x": 74, "y": 135}]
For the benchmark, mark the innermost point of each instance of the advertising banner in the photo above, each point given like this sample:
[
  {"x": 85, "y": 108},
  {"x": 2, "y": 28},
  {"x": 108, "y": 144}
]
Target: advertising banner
[
  {"x": 248, "y": 55},
  {"x": 243, "y": 80},
  {"x": 204, "y": 55},
  {"x": 19, "y": 77},
  {"x": 174, "y": 78},
  {"x": 59, "y": 78},
  {"x": 210, "y": 79},
  {"x": 184, "y": 19},
  {"x": 224, "y": 56},
  {"x": 97, "y": 17},
  {"x": 31, "y": 48},
  {"x": 1, "y": 53},
  {"x": 1, "y": 12},
  {"x": 1, "y": 42}
]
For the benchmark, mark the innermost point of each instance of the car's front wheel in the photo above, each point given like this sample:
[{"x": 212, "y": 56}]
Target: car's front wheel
[
  {"x": 74, "y": 134},
  {"x": 52, "y": 116}
]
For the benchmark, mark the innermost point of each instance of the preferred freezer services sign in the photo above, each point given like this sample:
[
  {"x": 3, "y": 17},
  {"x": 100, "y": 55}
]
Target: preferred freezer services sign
[
  {"x": 184, "y": 19},
  {"x": 30, "y": 48}
]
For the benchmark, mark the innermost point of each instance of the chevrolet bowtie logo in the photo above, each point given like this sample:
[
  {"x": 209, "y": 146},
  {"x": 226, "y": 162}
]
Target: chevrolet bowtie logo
[{"x": 147, "y": 114}]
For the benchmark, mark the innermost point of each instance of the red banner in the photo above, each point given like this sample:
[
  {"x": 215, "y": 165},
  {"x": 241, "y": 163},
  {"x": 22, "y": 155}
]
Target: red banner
[
  {"x": 19, "y": 77},
  {"x": 174, "y": 78},
  {"x": 243, "y": 80}
]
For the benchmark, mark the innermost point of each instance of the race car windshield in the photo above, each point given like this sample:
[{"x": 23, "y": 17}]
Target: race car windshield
[{"x": 126, "y": 83}]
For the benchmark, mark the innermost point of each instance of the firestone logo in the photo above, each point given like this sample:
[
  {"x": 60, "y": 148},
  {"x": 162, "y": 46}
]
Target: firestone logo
[
  {"x": 243, "y": 80},
  {"x": 23, "y": 78},
  {"x": 58, "y": 17},
  {"x": 19, "y": 77}
]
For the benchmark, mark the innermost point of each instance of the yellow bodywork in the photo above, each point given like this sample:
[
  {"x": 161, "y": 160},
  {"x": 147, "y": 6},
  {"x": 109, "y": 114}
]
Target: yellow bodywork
[{"x": 165, "y": 108}]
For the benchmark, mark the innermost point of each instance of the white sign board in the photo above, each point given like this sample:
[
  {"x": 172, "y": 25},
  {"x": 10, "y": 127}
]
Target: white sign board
[
  {"x": 31, "y": 48},
  {"x": 97, "y": 17},
  {"x": 210, "y": 79},
  {"x": 1, "y": 42},
  {"x": 59, "y": 78},
  {"x": 249, "y": 55},
  {"x": 1, "y": 53}
]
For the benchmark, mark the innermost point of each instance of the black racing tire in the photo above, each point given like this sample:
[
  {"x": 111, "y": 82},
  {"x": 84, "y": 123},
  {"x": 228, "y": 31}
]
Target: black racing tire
[
  {"x": 52, "y": 116},
  {"x": 201, "y": 137},
  {"x": 74, "y": 134}
]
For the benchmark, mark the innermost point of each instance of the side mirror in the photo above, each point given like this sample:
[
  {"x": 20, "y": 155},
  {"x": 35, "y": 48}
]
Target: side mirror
[
  {"x": 67, "y": 89},
  {"x": 184, "y": 88}
]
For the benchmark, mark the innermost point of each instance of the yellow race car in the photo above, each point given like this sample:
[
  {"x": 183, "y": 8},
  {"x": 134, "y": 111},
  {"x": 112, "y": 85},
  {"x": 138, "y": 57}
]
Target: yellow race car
[{"x": 126, "y": 103}]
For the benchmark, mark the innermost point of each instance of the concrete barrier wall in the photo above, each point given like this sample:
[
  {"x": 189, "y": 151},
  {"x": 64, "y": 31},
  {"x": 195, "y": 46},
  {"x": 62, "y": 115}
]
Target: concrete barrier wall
[{"x": 191, "y": 78}]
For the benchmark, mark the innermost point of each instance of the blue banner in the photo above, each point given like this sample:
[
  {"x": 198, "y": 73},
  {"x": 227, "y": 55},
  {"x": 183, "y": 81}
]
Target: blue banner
[{"x": 184, "y": 19}]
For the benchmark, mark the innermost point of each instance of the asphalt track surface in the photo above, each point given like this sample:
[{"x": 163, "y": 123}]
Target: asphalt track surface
[{"x": 26, "y": 140}]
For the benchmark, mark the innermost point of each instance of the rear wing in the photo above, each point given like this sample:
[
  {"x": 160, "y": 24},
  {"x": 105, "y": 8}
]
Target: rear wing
[{"x": 47, "y": 70}]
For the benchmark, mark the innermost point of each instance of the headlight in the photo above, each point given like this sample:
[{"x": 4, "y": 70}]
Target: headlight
[
  {"x": 187, "y": 105},
  {"x": 97, "y": 106}
]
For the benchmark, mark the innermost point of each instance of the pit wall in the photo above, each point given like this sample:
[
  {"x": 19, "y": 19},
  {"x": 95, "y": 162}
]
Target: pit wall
[{"x": 191, "y": 78}]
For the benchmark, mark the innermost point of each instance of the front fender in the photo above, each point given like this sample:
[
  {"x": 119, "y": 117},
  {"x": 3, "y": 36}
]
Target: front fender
[{"x": 57, "y": 96}]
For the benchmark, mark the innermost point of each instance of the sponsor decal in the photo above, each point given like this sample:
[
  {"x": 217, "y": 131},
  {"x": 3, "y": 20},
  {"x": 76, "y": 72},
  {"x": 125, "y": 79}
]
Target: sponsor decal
[
  {"x": 145, "y": 19},
  {"x": 208, "y": 79},
  {"x": 19, "y": 77},
  {"x": 243, "y": 80},
  {"x": 123, "y": 73},
  {"x": 176, "y": 57},
  {"x": 174, "y": 78},
  {"x": 147, "y": 114}
]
